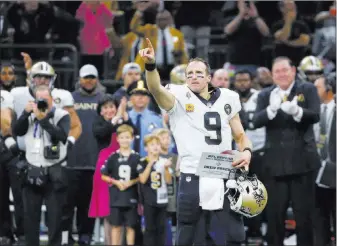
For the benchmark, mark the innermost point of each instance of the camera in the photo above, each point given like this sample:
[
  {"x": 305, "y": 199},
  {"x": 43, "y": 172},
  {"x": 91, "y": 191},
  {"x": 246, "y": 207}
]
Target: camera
[
  {"x": 42, "y": 104},
  {"x": 52, "y": 152}
]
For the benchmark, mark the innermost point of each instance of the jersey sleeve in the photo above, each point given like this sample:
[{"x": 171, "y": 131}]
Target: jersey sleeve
[
  {"x": 234, "y": 107},
  {"x": 63, "y": 98},
  {"x": 7, "y": 100},
  {"x": 172, "y": 89},
  {"x": 140, "y": 167},
  {"x": 106, "y": 168}
]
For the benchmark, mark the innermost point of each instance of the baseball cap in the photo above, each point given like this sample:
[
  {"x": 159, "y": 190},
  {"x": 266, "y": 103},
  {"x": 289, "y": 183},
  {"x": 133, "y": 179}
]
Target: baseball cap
[
  {"x": 131, "y": 66},
  {"x": 87, "y": 70}
]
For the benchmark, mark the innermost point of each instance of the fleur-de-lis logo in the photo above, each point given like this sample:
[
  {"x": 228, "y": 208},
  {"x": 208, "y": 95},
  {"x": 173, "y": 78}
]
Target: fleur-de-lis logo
[{"x": 300, "y": 98}]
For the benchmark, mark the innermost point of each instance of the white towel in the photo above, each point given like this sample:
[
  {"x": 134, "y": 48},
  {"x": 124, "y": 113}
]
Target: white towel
[{"x": 211, "y": 193}]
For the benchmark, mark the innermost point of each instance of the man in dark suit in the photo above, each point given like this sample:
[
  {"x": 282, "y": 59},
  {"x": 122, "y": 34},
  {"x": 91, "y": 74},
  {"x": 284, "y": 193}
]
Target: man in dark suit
[
  {"x": 325, "y": 132},
  {"x": 288, "y": 110}
]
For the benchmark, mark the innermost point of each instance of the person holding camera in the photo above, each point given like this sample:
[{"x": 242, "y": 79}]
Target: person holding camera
[{"x": 45, "y": 130}]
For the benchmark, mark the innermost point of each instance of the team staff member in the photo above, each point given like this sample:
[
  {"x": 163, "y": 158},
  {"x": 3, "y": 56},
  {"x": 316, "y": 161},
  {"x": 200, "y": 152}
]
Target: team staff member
[
  {"x": 288, "y": 110},
  {"x": 45, "y": 130}
]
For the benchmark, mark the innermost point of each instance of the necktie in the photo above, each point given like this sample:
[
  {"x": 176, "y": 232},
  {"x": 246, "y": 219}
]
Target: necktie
[
  {"x": 164, "y": 44},
  {"x": 135, "y": 50},
  {"x": 139, "y": 129},
  {"x": 323, "y": 142}
]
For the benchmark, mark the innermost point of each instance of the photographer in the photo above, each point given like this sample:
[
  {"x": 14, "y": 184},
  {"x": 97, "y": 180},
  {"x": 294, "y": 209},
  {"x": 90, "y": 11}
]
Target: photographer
[{"x": 45, "y": 130}]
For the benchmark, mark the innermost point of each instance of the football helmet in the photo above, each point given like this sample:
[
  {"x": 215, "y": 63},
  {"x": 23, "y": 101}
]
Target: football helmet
[
  {"x": 43, "y": 69},
  {"x": 310, "y": 68},
  {"x": 177, "y": 74},
  {"x": 246, "y": 195}
]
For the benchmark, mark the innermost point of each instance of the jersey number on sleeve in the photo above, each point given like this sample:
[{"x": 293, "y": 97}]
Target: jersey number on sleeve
[
  {"x": 124, "y": 172},
  {"x": 212, "y": 122},
  {"x": 155, "y": 180}
]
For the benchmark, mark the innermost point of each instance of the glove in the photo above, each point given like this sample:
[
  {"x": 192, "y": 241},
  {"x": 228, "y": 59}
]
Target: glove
[
  {"x": 290, "y": 108},
  {"x": 275, "y": 100}
]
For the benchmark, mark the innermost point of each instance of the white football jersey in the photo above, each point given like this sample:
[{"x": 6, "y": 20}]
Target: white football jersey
[
  {"x": 62, "y": 98},
  {"x": 257, "y": 136},
  {"x": 6, "y": 100},
  {"x": 201, "y": 126}
]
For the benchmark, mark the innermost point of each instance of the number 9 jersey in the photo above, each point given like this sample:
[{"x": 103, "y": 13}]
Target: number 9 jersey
[{"x": 200, "y": 125}]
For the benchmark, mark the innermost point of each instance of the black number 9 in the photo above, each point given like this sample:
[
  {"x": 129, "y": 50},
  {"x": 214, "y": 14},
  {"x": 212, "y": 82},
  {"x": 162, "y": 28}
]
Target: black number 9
[{"x": 213, "y": 126}]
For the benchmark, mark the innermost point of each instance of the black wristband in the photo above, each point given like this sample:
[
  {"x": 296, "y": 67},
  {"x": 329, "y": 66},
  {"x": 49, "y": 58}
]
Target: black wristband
[
  {"x": 249, "y": 149},
  {"x": 150, "y": 67}
]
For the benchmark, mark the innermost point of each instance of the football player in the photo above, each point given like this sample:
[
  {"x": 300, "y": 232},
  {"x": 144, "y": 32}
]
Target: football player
[
  {"x": 310, "y": 69},
  {"x": 120, "y": 171},
  {"x": 202, "y": 119},
  {"x": 41, "y": 73}
]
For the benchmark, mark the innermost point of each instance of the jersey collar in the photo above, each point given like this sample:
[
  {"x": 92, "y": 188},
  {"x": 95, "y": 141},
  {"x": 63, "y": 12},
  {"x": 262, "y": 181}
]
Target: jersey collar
[{"x": 215, "y": 94}]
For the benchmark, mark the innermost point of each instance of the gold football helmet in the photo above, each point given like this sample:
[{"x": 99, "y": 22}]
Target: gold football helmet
[
  {"x": 177, "y": 74},
  {"x": 42, "y": 69},
  {"x": 247, "y": 195},
  {"x": 310, "y": 68}
]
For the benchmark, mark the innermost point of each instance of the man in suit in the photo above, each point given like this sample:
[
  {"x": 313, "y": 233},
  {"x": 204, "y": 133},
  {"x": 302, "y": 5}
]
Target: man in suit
[
  {"x": 288, "y": 110},
  {"x": 168, "y": 42},
  {"x": 325, "y": 132}
]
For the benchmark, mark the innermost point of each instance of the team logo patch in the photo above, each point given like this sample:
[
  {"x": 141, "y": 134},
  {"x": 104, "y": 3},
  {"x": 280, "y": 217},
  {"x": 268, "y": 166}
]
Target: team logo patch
[
  {"x": 57, "y": 100},
  {"x": 188, "y": 179},
  {"x": 168, "y": 86},
  {"x": 228, "y": 109},
  {"x": 2, "y": 99},
  {"x": 300, "y": 98},
  {"x": 188, "y": 95},
  {"x": 189, "y": 107},
  {"x": 139, "y": 167}
]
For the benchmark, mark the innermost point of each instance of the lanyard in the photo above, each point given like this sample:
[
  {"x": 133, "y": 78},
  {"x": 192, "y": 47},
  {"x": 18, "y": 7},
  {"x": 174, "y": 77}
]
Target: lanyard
[{"x": 36, "y": 126}]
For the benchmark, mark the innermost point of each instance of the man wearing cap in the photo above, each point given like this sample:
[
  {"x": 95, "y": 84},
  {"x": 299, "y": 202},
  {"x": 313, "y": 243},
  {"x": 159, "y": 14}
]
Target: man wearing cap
[
  {"x": 131, "y": 72},
  {"x": 83, "y": 157},
  {"x": 144, "y": 119}
]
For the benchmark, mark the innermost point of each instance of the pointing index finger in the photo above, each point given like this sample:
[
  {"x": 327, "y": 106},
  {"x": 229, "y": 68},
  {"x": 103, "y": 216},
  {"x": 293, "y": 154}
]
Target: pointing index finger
[{"x": 149, "y": 44}]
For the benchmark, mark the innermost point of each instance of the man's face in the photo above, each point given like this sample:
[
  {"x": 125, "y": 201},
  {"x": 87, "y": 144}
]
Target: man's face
[
  {"x": 131, "y": 76},
  {"x": 89, "y": 82},
  {"x": 163, "y": 19},
  {"x": 220, "y": 79},
  {"x": 283, "y": 74},
  {"x": 321, "y": 90},
  {"x": 7, "y": 75},
  {"x": 242, "y": 82},
  {"x": 31, "y": 6},
  {"x": 197, "y": 77},
  {"x": 139, "y": 101},
  {"x": 41, "y": 79},
  {"x": 264, "y": 78}
]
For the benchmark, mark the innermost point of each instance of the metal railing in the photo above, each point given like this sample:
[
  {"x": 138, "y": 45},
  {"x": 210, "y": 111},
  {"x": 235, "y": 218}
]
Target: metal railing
[{"x": 67, "y": 69}]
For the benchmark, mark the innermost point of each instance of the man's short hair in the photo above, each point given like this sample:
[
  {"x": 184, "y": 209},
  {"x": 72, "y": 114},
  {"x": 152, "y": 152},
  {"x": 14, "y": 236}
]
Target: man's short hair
[
  {"x": 125, "y": 128},
  {"x": 42, "y": 88},
  {"x": 282, "y": 58},
  {"x": 198, "y": 59},
  {"x": 149, "y": 138},
  {"x": 131, "y": 66},
  {"x": 244, "y": 71}
]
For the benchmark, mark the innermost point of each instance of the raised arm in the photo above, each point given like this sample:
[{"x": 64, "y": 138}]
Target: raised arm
[{"x": 162, "y": 96}]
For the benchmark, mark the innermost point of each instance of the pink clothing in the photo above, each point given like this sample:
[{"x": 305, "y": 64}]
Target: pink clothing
[
  {"x": 100, "y": 199},
  {"x": 93, "y": 38}
]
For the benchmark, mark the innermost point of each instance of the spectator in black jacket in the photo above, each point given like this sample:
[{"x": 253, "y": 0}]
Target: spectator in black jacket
[{"x": 111, "y": 116}]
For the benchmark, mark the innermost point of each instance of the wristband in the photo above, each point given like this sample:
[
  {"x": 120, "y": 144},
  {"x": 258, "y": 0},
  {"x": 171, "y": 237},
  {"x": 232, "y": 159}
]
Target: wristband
[
  {"x": 249, "y": 149},
  {"x": 150, "y": 67}
]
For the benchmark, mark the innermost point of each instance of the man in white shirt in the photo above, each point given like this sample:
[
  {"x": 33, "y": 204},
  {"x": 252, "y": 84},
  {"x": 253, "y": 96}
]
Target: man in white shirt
[
  {"x": 325, "y": 193},
  {"x": 202, "y": 119}
]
